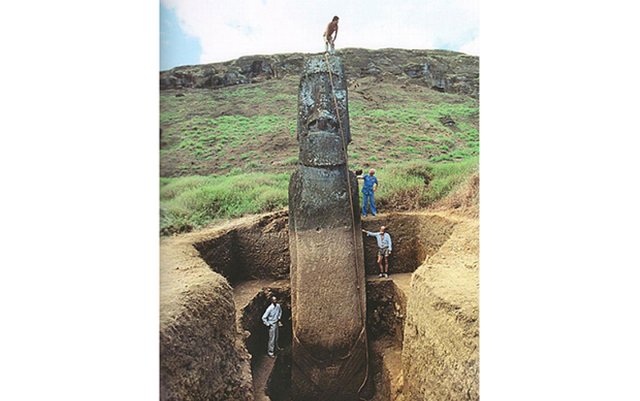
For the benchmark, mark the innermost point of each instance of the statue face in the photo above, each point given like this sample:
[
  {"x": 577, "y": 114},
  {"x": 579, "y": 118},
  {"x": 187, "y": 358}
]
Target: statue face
[
  {"x": 320, "y": 121},
  {"x": 316, "y": 108},
  {"x": 319, "y": 133}
]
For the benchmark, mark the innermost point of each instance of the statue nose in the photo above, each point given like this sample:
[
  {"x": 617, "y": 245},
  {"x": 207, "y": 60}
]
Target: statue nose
[{"x": 323, "y": 124}]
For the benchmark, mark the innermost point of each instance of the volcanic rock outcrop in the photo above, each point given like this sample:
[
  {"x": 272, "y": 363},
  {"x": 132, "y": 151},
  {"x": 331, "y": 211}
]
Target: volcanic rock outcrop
[
  {"x": 329, "y": 350},
  {"x": 442, "y": 70}
]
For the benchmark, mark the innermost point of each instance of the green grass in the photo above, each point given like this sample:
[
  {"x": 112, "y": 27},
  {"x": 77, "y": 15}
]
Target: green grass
[
  {"x": 291, "y": 161},
  {"x": 418, "y": 184},
  {"x": 202, "y": 138},
  {"x": 414, "y": 114},
  {"x": 212, "y": 131},
  {"x": 252, "y": 92},
  {"x": 235, "y": 147},
  {"x": 187, "y": 203},
  {"x": 192, "y": 202},
  {"x": 414, "y": 130}
]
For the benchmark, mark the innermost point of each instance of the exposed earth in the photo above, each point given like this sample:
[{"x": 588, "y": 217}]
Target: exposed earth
[{"x": 422, "y": 321}]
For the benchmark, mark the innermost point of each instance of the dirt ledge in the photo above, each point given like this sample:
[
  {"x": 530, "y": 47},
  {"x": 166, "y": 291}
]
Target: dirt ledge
[
  {"x": 201, "y": 357},
  {"x": 440, "y": 357}
]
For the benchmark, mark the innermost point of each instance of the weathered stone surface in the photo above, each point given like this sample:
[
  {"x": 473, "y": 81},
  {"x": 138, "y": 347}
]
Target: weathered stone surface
[{"x": 327, "y": 265}]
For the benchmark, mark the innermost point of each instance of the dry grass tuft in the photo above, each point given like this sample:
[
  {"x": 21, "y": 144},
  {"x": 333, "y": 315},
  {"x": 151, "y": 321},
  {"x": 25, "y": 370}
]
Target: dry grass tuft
[{"x": 465, "y": 200}]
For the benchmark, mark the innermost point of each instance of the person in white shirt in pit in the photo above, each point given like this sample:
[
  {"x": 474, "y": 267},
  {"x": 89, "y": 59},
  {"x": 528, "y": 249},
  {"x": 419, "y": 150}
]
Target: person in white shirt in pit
[
  {"x": 271, "y": 319},
  {"x": 384, "y": 249}
]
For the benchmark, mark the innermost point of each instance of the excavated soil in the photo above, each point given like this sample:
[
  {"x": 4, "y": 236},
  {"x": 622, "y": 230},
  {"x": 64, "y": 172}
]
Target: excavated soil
[
  {"x": 258, "y": 247},
  {"x": 198, "y": 339},
  {"x": 414, "y": 236},
  {"x": 440, "y": 356},
  {"x": 252, "y": 248},
  {"x": 422, "y": 327}
]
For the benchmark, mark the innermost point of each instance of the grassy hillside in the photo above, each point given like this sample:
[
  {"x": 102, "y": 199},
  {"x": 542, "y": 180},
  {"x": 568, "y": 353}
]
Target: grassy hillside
[
  {"x": 229, "y": 151},
  {"x": 253, "y": 126},
  {"x": 195, "y": 201}
]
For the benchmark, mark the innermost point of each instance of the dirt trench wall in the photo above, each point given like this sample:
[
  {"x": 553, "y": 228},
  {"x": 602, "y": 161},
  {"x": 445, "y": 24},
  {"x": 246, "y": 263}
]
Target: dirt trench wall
[
  {"x": 440, "y": 352},
  {"x": 413, "y": 237},
  {"x": 386, "y": 308},
  {"x": 386, "y": 311},
  {"x": 256, "y": 249},
  {"x": 259, "y": 247},
  {"x": 201, "y": 355},
  {"x": 220, "y": 254},
  {"x": 263, "y": 248}
]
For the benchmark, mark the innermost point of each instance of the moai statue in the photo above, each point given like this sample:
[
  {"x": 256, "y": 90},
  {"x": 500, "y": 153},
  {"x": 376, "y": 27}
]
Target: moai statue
[{"x": 330, "y": 359}]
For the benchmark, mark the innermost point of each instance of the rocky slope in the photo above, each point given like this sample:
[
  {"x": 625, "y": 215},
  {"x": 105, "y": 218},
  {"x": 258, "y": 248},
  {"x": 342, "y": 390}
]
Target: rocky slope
[
  {"x": 241, "y": 115},
  {"x": 441, "y": 70}
]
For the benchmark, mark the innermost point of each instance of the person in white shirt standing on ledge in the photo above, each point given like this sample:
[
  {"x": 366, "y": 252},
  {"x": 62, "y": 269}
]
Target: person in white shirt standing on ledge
[
  {"x": 384, "y": 249},
  {"x": 271, "y": 319}
]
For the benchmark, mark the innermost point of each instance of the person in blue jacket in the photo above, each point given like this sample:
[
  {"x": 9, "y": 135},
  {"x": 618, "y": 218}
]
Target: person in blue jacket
[{"x": 368, "y": 188}]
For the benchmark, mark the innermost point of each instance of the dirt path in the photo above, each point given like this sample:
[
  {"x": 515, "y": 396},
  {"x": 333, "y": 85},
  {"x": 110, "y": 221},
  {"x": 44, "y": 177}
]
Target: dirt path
[
  {"x": 401, "y": 280},
  {"x": 261, "y": 372}
]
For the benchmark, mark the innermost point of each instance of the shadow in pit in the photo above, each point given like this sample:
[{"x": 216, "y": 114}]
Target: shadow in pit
[
  {"x": 276, "y": 383},
  {"x": 386, "y": 308},
  {"x": 279, "y": 383}
]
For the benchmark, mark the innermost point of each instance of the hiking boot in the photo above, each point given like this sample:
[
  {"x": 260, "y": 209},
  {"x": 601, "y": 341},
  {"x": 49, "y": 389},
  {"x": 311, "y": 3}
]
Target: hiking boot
[
  {"x": 380, "y": 275},
  {"x": 386, "y": 275}
]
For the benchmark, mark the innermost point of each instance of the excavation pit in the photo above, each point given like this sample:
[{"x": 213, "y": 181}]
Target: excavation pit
[
  {"x": 261, "y": 250},
  {"x": 271, "y": 380},
  {"x": 386, "y": 308},
  {"x": 252, "y": 255}
]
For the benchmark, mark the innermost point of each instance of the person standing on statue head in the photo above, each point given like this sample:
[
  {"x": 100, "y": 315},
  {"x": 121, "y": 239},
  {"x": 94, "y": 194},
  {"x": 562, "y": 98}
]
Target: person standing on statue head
[
  {"x": 369, "y": 186},
  {"x": 271, "y": 319},
  {"x": 384, "y": 249},
  {"x": 331, "y": 29}
]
